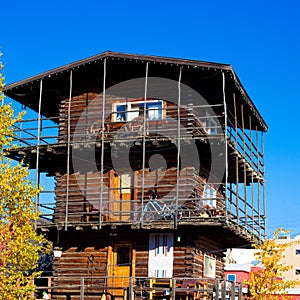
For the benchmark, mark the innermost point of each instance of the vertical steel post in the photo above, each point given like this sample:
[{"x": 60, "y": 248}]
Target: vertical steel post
[
  {"x": 240, "y": 291},
  {"x": 37, "y": 172},
  {"x": 68, "y": 150},
  {"x": 225, "y": 141},
  {"x": 236, "y": 160},
  {"x": 244, "y": 162},
  {"x": 131, "y": 293},
  {"x": 102, "y": 144},
  {"x": 223, "y": 291},
  {"x": 217, "y": 284},
  {"x": 178, "y": 148},
  {"x": 263, "y": 184},
  {"x": 144, "y": 142},
  {"x": 252, "y": 182}
]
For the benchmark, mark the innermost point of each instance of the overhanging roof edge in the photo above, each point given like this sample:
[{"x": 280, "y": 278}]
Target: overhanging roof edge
[
  {"x": 138, "y": 57},
  {"x": 249, "y": 101},
  {"x": 110, "y": 54}
]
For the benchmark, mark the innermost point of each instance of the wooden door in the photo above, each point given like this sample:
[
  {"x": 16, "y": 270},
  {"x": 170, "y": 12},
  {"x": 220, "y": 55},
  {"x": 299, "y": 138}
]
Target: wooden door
[
  {"x": 121, "y": 187},
  {"x": 121, "y": 269}
]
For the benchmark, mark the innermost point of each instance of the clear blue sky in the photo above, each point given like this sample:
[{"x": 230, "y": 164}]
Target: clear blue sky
[{"x": 260, "y": 39}]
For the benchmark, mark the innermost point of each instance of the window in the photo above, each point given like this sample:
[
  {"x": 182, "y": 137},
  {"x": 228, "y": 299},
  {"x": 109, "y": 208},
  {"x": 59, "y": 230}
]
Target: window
[
  {"x": 121, "y": 112},
  {"x": 154, "y": 110},
  {"x": 209, "y": 197},
  {"x": 211, "y": 124},
  {"x": 123, "y": 256},
  {"x": 282, "y": 237},
  {"x": 297, "y": 272},
  {"x": 209, "y": 267},
  {"x": 297, "y": 251},
  {"x": 231, "y": 277},
  {"x": 128, "y": 111}
]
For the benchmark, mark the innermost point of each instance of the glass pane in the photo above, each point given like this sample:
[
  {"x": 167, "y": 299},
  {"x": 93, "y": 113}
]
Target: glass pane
[
  {"x": 121, "y": 115},
  {"x": 231, "y": 277},
  {"x": 123, "y": 256},
  {"x": 154, "y": 110},
  {"x": 134, "y": 112}
]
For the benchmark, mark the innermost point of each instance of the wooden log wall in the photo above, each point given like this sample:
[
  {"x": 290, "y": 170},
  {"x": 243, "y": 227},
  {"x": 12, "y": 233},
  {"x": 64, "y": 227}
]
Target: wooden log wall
[
  {"x": 86, "y": 112},
  {"x": 85, "y": 254},
  {"x": 165, "y": 183},
  {"x": 84, "y": 196}
]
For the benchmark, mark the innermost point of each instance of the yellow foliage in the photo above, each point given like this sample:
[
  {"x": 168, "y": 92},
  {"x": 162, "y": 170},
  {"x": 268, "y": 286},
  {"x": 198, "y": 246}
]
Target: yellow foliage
[
  {"x": 20, "y": 244},
  {"x": 267, "y": 283}
]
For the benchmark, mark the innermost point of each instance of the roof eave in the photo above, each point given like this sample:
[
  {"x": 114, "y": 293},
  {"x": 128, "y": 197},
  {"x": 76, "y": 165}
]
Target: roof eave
[{"x": 120, "y": 55}]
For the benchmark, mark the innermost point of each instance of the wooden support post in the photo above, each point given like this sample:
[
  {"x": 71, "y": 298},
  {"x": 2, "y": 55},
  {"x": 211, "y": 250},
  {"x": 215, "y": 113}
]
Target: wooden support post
[
  {"x": 81, "y": 288},
  {"x": 173, "y": 287},
  {"x": 49, "y": 287}
]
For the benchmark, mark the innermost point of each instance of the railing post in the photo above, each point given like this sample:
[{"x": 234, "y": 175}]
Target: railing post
[
  {"x": 81, "y": 288},
  {"x": 232, "y": 290},
  {"x": 49, "y": 286},
  {"x": 173, "y": 288},
  {"x": 217, "y": 289},
  {"x": 223, "y": 291},
  {"x": 131, "y": 295},
  {"x": 240, "y": 291}
]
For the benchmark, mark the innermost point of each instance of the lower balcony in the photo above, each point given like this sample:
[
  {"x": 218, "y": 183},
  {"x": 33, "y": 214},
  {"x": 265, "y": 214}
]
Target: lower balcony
[{"x": 137, "y": 288}]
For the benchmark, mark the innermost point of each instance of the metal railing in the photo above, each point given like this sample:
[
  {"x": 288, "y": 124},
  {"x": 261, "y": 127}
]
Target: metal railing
[{"x": 139, "y": 288}]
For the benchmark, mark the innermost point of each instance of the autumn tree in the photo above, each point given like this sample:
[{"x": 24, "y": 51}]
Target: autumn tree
[
  {"x": 21, "y": 245},
  {"x": 267, "y": 282}
]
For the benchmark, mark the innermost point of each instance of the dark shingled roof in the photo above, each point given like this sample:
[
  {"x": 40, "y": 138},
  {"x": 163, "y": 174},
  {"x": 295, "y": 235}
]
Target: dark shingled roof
[{"x": 88, "y": 74}]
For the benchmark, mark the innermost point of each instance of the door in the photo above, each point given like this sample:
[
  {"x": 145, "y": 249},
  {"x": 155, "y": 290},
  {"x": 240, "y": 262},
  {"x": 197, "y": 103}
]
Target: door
[
  {"x": 121, "y": 187},
  {"x": 160, "y": 263},
  {"x": 121, "y": 269}
]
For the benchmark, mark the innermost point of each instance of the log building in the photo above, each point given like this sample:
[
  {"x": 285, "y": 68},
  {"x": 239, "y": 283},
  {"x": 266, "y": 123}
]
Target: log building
[{"x": 151, "y": 168}]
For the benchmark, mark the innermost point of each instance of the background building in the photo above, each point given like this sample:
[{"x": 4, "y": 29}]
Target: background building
[{"x": 291, "y": 256}]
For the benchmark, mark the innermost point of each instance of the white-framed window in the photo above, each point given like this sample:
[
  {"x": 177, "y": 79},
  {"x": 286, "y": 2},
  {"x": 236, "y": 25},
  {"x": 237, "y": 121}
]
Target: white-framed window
[
  {"x": 127, "y": 111},
  {"x": 209, "y": 197},
  {"x": 211, "y": 124},
  {"x": 209, "y": 266}
]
